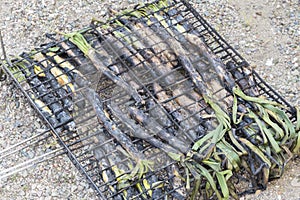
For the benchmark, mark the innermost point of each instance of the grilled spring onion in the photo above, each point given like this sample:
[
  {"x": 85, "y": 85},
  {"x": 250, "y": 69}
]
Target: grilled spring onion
[
  {"x": 138, "y": 132},
  {"x": 222, "y": 117},
  {"x": 98, "y": 44},
  {"x": 140, "y": 29},
  {"x": 164, "y": 35},
  {"x": 215, "y": 62},
  {"x": 142, "y": 119},
  {"x": 142, "y": 165},
  {"x": 275, "y": 128},
  {"x": 149, "y": 185},
  {"x": 149, "y": 38},
  {"x": 176, "y": 182},
  {"x": 100, "y": 59},
  {"x": 154, "y": 128},
  {"x": 145, "y": 188},
  {"x": 244, "y": 81},
  {"x": 158, "y": 114},
  {"x": 225, "y": 124},
  {"x": 155, "y": 63},
  {"x": 130, "y": 52},
  {"x": 195, "y": 41},
  {"x": 40, "y": 104},
  {"x": 220, "y": 175},
  {"x": 123, "y": 51},
  {"x": 187, "y": 61},
  {"x": 127, "y": 57},
  {"x": 45, "y": 111},
  {"x": 93, "y": 98},
  {"x": 107, "y": 176},
  {"x": 64, "y": 64},
  {"x": 61, "y": 78},
  {"x": 42, "y": 68},
  {"x": 137, "y": 35},
  {"x": 177, "y": 48},
  {"x": 49, "y": 99},
  {"x": 160, "y": 69},
  {"x": 113, "y": 170},
  {"x": 76, "y": 75},
  {"x": 150, "y": 124},
  {"x": 71, "y": 51},
  {"x": 269, "y": 108}
]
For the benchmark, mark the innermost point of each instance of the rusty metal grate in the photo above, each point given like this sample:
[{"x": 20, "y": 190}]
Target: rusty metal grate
[{"x": 145, "y": 87}]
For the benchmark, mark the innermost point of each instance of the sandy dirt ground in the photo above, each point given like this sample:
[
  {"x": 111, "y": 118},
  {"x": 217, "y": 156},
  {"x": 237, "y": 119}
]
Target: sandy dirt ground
[{"x": 265, "y": 32}]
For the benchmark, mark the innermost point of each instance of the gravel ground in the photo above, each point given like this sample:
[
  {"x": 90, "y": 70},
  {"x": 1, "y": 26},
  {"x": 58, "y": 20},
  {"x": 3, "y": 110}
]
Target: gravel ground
[{"x": 266, "y": 33}]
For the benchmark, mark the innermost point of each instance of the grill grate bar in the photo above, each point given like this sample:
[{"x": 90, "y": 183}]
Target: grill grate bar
[{"x": 29, "y": 163}]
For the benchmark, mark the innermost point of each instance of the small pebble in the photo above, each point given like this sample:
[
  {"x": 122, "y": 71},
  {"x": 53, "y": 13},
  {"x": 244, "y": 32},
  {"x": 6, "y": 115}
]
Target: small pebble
[{"x": 269, "y": 62}]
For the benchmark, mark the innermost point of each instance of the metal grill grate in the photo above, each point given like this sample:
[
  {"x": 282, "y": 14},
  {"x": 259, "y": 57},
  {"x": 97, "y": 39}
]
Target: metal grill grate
[{"x": 146, "y": 88}]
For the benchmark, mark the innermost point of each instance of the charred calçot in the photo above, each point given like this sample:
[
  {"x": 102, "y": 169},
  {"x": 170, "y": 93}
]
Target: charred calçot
[
  {"x": 163, "y": 92},
  {"x": 63, "y": 116}
]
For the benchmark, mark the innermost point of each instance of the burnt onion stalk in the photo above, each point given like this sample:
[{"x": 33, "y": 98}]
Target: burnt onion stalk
[{"x": 142, "y": 164}]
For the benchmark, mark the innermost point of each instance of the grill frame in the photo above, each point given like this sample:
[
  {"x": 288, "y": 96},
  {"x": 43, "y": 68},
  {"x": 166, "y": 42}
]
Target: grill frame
[{"x": 225, "y": 47}]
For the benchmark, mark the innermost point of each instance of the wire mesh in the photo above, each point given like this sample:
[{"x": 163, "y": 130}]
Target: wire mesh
[{"x": 145, "y": 91}]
